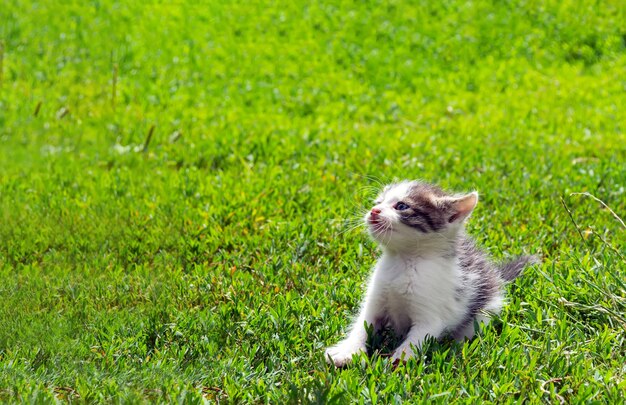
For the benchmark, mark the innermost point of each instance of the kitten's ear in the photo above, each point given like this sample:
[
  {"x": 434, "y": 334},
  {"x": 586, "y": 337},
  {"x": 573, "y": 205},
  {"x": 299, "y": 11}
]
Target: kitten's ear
[{"x": 462, "y": 207}]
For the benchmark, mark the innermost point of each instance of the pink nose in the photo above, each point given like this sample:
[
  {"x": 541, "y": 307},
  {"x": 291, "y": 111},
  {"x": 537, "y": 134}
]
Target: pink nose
[{"x": 375, "y": 212}]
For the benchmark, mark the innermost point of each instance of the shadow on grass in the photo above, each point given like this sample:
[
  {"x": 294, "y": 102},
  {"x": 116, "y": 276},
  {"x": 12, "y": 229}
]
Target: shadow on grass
[{"x": 384, "y": 343}]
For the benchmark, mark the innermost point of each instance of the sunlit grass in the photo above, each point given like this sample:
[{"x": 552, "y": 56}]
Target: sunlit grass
[{"x": 217, "y": 260}]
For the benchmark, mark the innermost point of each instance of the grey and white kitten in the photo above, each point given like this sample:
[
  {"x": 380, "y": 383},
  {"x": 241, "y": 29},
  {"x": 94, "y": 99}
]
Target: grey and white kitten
[{"x": 431, "y": 279}]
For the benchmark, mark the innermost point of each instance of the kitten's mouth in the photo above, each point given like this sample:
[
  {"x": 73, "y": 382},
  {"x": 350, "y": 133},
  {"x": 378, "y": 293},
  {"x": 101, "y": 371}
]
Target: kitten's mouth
[{"x": 378, "y": 226}]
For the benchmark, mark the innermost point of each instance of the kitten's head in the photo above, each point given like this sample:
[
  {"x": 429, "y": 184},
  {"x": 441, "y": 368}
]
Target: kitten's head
[{"x": 410, "y": 214}]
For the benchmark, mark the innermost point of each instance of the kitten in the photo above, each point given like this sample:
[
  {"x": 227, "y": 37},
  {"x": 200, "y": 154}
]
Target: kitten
[{"x": 431, "y": 279}]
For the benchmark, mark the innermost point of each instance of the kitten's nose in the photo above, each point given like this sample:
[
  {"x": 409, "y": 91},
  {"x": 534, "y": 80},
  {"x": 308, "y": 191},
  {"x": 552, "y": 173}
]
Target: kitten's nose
[{"x": 375, "y": 212}]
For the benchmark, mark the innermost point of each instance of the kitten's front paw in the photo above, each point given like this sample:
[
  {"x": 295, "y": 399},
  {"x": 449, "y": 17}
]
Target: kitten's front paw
[
  {"x": 402, "y": 353},
  {"x": 341, "y": 354}
]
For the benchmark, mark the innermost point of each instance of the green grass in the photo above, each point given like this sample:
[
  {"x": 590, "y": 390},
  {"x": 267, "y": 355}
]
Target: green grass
[{"x": 214, "y": 262}]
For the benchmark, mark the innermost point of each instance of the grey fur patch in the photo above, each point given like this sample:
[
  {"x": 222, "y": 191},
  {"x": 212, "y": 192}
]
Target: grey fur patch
[
  {"x": 486, "y": 285},
  {"x": 482, "y": 280}
]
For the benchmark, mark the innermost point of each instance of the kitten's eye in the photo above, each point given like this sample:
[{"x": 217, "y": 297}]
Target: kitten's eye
[{"x": 400, "y": 206}]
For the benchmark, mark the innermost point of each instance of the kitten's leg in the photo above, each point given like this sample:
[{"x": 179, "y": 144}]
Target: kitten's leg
[
  {"x": 482, "y": 319},
  {"x": 468, "y": 331},
  {"x": 416, "y": 336},
  {"x": 371, "y": 314}
]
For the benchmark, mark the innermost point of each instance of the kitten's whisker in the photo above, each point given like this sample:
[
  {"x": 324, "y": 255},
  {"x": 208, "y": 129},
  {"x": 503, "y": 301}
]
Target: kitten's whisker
[
  {"x": 369, "y": 177},
  {"x": 368, "y": 193},
  {"x": 386, "y": 231},
  {"x": 354, "y": 220},
  {"x": 351, "y": 224},
  {"x": 350, "y": 229},
  {"x": 377, "y": 180},
  {"x": 356, "y": 205},
  {"x": 370, "y": 189}
]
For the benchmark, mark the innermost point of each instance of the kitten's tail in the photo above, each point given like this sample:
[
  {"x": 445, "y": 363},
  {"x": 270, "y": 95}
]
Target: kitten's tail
[{"x": 509, "y": 271}]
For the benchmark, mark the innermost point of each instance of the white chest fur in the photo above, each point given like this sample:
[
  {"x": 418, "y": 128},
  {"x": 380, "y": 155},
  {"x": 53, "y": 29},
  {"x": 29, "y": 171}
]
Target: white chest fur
[{"x": 414, "y": 291}]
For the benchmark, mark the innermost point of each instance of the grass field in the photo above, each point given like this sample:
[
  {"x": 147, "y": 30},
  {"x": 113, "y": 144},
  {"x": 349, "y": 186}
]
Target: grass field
[{"x": 176, "y": 180}]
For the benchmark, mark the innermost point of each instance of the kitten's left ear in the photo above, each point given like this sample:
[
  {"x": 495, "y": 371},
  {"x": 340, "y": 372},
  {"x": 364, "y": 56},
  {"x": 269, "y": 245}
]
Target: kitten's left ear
[{"x": 462, "y": 207}]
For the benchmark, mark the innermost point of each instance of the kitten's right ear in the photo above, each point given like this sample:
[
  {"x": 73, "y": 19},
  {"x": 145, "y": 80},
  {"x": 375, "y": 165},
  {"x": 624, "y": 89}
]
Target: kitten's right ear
[{"x": 461, "y": 207}]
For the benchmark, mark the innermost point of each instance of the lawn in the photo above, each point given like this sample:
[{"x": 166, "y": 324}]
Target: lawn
[{"x": 178, "y": 183}]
